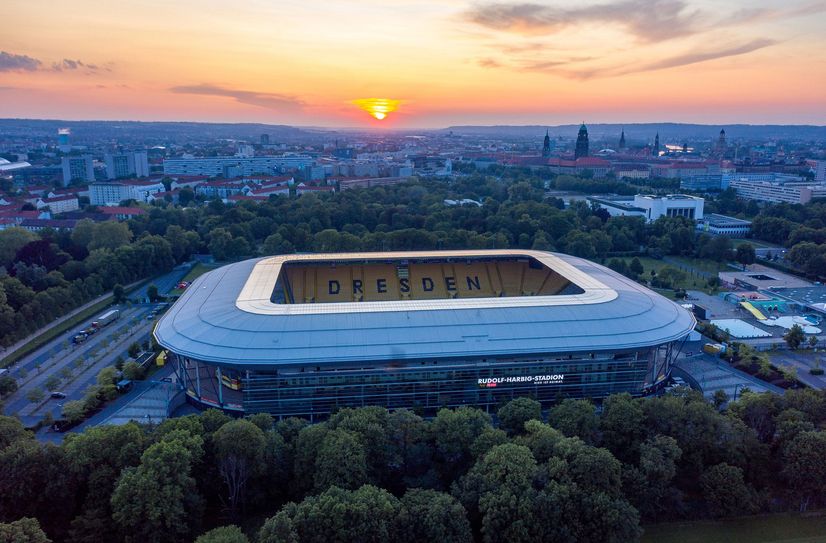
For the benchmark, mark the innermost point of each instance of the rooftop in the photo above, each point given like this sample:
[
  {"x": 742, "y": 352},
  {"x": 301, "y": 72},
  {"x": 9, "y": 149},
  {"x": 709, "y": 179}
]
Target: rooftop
[{"x": 229, "y": 316}]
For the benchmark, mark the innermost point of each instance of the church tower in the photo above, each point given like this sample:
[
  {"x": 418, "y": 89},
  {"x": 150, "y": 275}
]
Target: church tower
[
  {"x": 581, "y": 149},
  {"x": 622, "y": 140},
  {"x": 546, "y": 146},
  {"x": 721, "y": 142},
  {"x": 656, "y": 151}
]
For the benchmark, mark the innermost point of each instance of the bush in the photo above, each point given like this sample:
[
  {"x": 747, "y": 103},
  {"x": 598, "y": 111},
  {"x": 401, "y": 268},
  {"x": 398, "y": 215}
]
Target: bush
[
  {"x": 74, "y": 411},
  {"x": 133, "y": 371}
]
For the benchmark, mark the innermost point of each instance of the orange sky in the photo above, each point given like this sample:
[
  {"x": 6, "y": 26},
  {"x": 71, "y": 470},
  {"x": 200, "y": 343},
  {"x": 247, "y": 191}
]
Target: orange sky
[{"x": 447, "y": 62}]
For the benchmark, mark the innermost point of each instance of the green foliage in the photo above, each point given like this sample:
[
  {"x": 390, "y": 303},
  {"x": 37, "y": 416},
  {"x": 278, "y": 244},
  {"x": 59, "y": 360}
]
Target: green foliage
[
  {"x": 514, "y": 414},
  {"x": 794, "y": 336},
  {"x": 25, "y": 530},
  {"x": 239, "y": 450},
  {"x": 367, "y": 515},
  {"x": 575, "y": 418},
  {"x": 224, "y": 534},
  {"x": 726, "y": 492},
  {"x": 8, "y": 385},
  {"x": 159, "y": 500}
]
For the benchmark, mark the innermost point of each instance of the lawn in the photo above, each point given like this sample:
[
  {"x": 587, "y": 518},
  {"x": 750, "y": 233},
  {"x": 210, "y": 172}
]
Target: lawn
[
  {"x": 197, "y": 271},
  {"x": 691, "y": 281},
  {"x": 762, "y": 529},
  {"x": 702, "y": 264}
]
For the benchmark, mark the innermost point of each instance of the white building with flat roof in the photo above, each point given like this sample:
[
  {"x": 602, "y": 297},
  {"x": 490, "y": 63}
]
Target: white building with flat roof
[
  {"x": 653, "y": 207},
  {"x": 768, "y": 191},
  {"x": 111, "y": 193}
]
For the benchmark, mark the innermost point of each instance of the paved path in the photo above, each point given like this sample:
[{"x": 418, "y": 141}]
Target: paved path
[{"x": 713, "y": 374}]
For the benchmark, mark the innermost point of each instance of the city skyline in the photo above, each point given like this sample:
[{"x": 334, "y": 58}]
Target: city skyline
[{"x": 439, "y": 63}]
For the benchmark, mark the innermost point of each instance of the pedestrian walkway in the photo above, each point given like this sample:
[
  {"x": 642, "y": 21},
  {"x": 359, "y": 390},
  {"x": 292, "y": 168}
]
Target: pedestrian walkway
[
  {"x": 713, "y": 374},
  {"x": 151, "y": 406}
]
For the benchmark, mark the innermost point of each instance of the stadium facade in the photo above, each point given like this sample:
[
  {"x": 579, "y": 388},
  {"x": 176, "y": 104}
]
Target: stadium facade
[{"x": 305, "y": 335}]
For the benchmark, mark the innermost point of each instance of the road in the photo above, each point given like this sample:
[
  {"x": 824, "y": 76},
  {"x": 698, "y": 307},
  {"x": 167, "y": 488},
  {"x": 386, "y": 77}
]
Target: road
[{"x": 76, "y": 366}]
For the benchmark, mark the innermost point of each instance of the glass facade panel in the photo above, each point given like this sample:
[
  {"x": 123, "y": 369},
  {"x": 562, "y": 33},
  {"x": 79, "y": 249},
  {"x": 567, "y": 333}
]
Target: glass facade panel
[{"x": 425, "y": 386}]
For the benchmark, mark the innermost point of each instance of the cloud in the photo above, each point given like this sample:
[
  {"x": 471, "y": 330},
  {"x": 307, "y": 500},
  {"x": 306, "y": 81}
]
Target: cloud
[
  {"x": 267, "y": 100},
  {"x": 10, "y": 62},
  {"x": 647, "y": 20},
  {"x": 694, "y": 58},
  {"x": 675, "y": 61}
]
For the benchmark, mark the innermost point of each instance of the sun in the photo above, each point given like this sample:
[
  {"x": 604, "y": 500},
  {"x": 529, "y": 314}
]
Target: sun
[{"x": 377, "y": 107}]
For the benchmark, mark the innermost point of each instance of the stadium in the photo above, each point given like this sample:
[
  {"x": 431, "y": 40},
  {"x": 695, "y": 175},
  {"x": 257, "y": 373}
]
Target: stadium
[{"x": 304, "y": 335}]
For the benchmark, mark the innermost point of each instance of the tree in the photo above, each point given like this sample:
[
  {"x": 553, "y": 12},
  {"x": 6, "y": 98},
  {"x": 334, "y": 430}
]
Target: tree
[
  {"x": 152, "y": 293},
  {"x": 35, "y": 395},
  {"x": 25, "y": 530},
  {"x": 158, "y": 500},
  {"x": 341, "y": 461},
  {"x": 134, "y": 350},
  {"x": 109, "y": 235},
  {"x": 11, "y": 241},
  {"x": 794, "y": 337},
  {"x": 622, "y": 425},
  {"x": 107, "y": 376},
  {"x": 428, "y": 515},
  {"x": 74, "y": 411},
  {"x": 636, "y": 267},
  {"x": 12, "y": 430},
  {"x": 803, "y": 467},
  {"x": 239, "y": 451},
  {"x": 725, "y": 491},
  {"x": 575, "y": 418},
  {"x": 118, "y": 294},
  {"x": 224, "y": 534},
  {"x": 132, "y": 371},
  {"x": 365, "y": 515},
  {"x": 745, "y": 254},
  {"x": 8, "y": 385},
  {"x": 514, "y": 414}
]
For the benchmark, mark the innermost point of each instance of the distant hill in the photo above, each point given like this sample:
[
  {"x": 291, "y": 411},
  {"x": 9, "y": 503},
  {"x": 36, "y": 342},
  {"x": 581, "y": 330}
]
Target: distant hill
[
  {"x": 126, "y": 131},
  {"x": 674, "y": 131}
]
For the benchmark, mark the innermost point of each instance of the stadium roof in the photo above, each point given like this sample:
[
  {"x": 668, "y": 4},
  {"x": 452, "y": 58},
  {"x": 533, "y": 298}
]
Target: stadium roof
[{"x": 226, "y": 317}]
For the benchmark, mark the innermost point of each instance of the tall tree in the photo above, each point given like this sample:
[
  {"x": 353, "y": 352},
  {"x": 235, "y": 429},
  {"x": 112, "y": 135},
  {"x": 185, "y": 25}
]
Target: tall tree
[{"x": 239, "y": 450}]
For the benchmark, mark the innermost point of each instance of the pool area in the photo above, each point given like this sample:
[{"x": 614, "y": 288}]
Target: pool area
[
  {"x": 740, "y": 329},
  {"x": 788, "y": 321}
]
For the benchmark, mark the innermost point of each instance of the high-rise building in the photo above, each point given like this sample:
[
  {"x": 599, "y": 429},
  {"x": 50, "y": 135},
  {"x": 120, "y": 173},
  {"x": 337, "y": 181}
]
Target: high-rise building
[
  {"x": 265, "y": 139},
  {"x": 78, "y": 168},
  {"x": 656, "y": 151},
  {"x": 622, "y": 139},
  {"x": 581, "y": 149},
  {"x": 63, "y": 140},
  {"x": 127, "y": 165},
  {"x": 546, "y": 145}
]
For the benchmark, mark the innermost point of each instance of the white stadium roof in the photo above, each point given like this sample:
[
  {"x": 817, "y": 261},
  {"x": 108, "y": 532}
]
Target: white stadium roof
[{"x": 226, "y": 317}]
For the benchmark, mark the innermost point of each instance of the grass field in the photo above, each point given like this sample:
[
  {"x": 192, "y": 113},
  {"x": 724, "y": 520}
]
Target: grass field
[
  {"x": 690, "y": 282},
  {"x": 197, "y": 271},
  {"x": 763, "y": 529},
  {"x": 703, "y": 264}
]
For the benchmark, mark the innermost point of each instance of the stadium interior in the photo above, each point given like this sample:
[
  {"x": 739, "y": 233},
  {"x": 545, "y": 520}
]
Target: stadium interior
[{"x": 417, "y": 279}]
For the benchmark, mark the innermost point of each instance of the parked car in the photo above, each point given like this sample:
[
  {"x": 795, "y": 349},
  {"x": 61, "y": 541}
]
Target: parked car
[{"x": 57, "y": 395}]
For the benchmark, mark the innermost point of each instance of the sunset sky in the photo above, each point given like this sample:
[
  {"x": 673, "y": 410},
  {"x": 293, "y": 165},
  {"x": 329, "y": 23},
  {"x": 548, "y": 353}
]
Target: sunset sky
[{"x": 446, "y": 62}]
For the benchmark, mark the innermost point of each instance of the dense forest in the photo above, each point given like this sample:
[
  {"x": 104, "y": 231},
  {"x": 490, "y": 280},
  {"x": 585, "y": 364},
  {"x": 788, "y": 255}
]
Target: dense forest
[
  {"x": 571, "y": 474},
  {"x": 47, "y": 274}
]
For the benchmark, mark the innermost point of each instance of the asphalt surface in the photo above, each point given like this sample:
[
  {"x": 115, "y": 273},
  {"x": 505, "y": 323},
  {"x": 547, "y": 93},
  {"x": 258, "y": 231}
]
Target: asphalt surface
[{"x": 77, "y": 366}]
